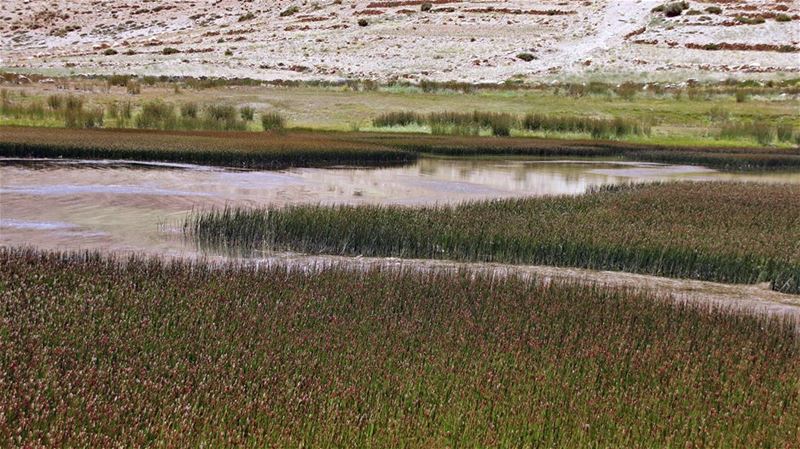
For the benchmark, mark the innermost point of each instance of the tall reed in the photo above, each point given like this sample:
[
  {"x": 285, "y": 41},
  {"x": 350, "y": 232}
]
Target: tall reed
[
  {"x": 708, "y": 231},
  {"x": 132, "y": 353}
]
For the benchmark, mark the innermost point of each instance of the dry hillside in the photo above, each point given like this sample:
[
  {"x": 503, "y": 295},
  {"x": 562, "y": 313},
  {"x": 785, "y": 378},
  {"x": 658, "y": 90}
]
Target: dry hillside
[{"x": 406, "y": 39}]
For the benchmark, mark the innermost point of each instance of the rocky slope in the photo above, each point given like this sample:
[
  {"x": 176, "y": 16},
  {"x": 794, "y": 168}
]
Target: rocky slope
[{"x": 476, "y": 41}]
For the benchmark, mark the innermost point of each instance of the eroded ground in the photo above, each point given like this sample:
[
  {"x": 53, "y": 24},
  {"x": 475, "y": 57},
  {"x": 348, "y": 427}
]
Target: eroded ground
[{"x": 453, "y": 40}]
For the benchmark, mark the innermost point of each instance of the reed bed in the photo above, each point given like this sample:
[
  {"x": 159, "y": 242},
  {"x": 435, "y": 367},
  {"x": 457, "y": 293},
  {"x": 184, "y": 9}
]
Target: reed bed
[
  {"x": 248, "y": 149},
  {"x": 725, "y": 232},
  {"x": 144, "y": 353},
  {"x": 501, "y": 124},
  {"x": 725, "y": 158},
  {"x": 164, "y": 116},
  {"x": 235, "y": 149}
]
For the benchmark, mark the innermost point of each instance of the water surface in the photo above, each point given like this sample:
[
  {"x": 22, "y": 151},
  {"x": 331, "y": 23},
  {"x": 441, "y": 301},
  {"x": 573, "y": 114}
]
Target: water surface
[{"x": 135, "y": 206}]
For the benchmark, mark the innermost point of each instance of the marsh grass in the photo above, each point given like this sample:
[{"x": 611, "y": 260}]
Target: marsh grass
[
  {"x": 467, "y": 141},
  {"x": 501, "y": 124},
  {"x": 161, "y": 115},
  {"x": 235, "y": 149},
  {"x": 707, "y": 231},
  {"x": 272, "y": 121},
  {"x": 761, "y": 132},
  {"x": 145, "y": 353}
]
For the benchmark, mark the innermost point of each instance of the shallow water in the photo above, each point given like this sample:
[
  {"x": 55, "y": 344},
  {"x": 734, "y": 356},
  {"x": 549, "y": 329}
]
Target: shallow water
[{"x": 134, "y": 206}]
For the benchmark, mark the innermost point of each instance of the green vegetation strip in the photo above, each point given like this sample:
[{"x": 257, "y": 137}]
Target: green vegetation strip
[
  {"x": 237, "y": 149},
  {"x": 96, "y": 353},
  {"x": 723, "y": 158},
  {"x": 281, "y": 149},
  {"x": 725, "y": 232}
]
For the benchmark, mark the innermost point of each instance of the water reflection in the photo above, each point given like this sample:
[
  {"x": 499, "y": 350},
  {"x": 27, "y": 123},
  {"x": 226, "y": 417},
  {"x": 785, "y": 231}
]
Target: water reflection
[{"x": 139, "y": 206}]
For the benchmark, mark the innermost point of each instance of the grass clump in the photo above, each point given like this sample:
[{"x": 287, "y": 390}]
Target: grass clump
[
  {"x": 708, "y": 231},
  {"x": 501, "y": 124},
  {"x": 247, "y": 113},
  {"x": 190, "y": 355},
  {"x": 157, "y": 115},
  {"x": 748, "y": 20},
  {"x": 596, "y": 127},
  {"x": 230, "y": 149},
  {"x": 761, "y": 132},
  {"x": 527, "y": 57},
  {"x": 160, "y": 115},
  {"x": 784, "y": 132},
  {"x": 290, "y": 11},
  {"x": 189, "y": 110},
  {"x": 272, "y": 121},
  {"x": 672, "y": 9}
]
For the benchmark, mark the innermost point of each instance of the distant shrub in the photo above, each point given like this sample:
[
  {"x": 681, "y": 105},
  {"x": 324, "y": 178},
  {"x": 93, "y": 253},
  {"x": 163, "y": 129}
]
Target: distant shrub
[
  {"x": 596, "y": 127},
  {"x": 110, "y": 52},
  {"x": 246, "y": 17},
  {"x": 221, "y": 117},
  {"x": 362, "y": 22},
  {"x": 400, "y": 118},
  {"x": 694, "y": 12},
  {"x": 501, "y": 125},
  {"x": 247, "y": 113},
  {"x": 714, "y": 10},
  {"x": 169, "y": 51},
  {"x": 133, "y": 87},
  {"x": 783, "y": 18},
  {"x": 425, "y": 7},
  {"x": 220, "y": 112},
  {"x": 229, "y": 52},
  {"x": 672, "y": 9},
  {"x": 118, "y": 80},
  {"x": 271, "y": 121},
  {"x": 189, "y": 110},
  {"x": 157, "y": 115},
  {"x": 290, "y": 11},
  {"x": 76, "y": 117},
  {"x": 527, "y": 57},
  {"x": 761, "y": 132},
  {"x": 757, "y": 20}
]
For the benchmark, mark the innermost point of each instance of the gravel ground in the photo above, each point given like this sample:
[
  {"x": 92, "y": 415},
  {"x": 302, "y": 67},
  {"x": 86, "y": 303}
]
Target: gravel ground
[{"x": 475, "y": 41}]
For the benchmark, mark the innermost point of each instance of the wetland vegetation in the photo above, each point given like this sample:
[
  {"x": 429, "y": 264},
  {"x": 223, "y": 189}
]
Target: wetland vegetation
[
  {"x": 726, "y": 232},
  {"x": 100, "y": 352},
  {"x": 303, "y": 148},
  {"x": 697, "y": 115}
]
